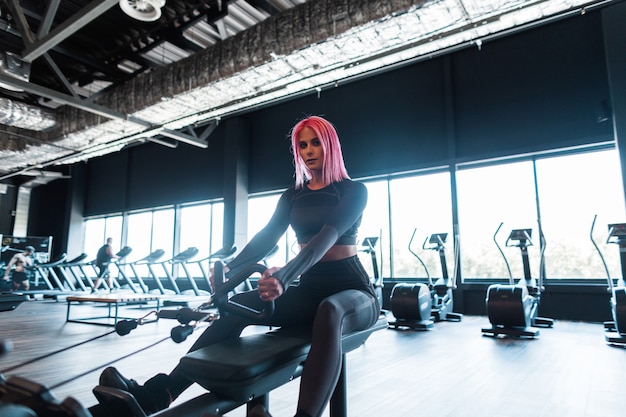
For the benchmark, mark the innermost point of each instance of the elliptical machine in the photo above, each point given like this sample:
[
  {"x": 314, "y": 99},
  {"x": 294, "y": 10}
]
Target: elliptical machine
[
  {"x": 513, "y": 308},
  {"x": 442, "y": 301},
  {"x": 616, "y": 329},
  {"x": 418, "y": 306}
]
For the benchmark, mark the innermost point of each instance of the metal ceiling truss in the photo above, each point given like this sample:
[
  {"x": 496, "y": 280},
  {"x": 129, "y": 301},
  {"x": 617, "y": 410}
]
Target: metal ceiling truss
[
  {"x": 319, "y": 44},
  {"x": 150, "y": 129}
]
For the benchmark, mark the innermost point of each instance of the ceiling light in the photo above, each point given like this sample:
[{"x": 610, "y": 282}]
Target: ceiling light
[{"x": 144, "y": 10}]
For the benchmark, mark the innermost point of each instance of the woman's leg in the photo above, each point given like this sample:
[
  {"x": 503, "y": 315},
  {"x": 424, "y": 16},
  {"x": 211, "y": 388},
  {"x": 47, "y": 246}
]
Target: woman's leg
[
  {"x": 295, "y": 307},
  {"x": 159, "y": 391},
  {"x": 341, "y": 313}
]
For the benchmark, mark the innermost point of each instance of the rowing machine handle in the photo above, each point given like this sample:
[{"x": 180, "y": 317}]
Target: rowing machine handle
[
  {"x": 223, "y": 288},
  {"x": 184, "y": 315},
  {"x": 180, "y": 333}
]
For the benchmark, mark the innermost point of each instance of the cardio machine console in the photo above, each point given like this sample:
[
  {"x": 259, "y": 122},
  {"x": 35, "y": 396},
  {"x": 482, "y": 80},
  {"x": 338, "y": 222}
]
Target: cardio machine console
[
  {"x": 438, "y": 238},
  {"x": 521, "y": 235},
  {"x": 617, "y": 229},
  {"x": 370, "y": 242}
]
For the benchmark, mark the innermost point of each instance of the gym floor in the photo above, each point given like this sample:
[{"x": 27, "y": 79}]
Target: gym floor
[{"x": 450, "y": 370}]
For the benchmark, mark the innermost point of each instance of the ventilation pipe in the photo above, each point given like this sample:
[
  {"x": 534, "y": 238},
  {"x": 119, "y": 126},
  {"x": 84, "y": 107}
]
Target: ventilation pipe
[{"x": 24, "y": 116}]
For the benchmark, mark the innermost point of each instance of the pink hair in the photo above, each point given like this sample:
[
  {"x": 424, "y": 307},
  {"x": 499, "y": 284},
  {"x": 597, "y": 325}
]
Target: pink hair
[{"x": 334, "y": 168}]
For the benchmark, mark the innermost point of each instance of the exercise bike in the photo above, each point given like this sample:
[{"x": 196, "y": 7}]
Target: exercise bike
[
  {"x": 513, "y": 308},
  {"x": 616, "y": 329}
]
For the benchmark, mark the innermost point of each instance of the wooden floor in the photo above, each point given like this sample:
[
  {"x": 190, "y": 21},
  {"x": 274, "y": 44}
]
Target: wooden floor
[{"x": 450, "y": 370}]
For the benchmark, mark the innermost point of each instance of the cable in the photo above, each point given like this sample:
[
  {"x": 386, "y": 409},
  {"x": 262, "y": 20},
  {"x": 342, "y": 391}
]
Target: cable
[
  {"x": 12, "y": 368},
  {"x": 108, "y": 363}
]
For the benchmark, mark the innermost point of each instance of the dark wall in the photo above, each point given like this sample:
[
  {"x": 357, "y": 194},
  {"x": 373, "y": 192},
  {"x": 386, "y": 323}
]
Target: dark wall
[
  {"x": 153, "y": 175},
  {"x": 541, "y": 89},
  {"x": 538, "y": 90},
  {"x": 46, "y": 216},
  {"x": 389, "y": 123},
  {"x": 8, "y": 201}
]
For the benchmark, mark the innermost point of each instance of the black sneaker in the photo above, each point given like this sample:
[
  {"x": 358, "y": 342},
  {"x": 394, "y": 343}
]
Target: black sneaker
[
  {"x": 153, "y": 396},
  {"x": 112, "y": 378}
]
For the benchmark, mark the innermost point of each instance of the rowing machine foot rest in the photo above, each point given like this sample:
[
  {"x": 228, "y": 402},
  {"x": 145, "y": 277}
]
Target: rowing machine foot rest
[
  {"x": 25, "y": 394},
  {"x": 120, "y": 403}
]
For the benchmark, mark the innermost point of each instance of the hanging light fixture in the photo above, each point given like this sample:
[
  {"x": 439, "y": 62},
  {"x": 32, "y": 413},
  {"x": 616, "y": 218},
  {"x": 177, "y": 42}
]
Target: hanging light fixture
[{"x": 144, "y": 10}]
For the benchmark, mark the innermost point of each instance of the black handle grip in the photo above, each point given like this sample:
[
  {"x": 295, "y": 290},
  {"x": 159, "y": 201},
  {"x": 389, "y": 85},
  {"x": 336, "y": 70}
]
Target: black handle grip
[
  {"x": 236, "y": 277},
  {"x": 180, "y": 333},
  {"x": 123, "y": 327},
  {"x": 184, "y": 315}
]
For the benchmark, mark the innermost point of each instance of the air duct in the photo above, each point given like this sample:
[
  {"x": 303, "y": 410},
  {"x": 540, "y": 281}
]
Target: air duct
[{"x": 24, "y": 116}]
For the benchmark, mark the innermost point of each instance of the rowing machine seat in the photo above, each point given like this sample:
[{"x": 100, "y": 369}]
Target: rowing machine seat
[{"x": 251, "y": 366}]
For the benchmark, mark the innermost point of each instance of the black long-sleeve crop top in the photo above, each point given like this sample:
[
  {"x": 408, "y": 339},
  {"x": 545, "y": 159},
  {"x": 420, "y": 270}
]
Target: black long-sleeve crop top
[{"x": 320, "y": 218}]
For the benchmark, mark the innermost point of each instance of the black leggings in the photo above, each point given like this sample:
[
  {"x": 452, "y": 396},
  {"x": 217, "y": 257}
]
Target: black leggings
[{"x": 330, "y": 314}]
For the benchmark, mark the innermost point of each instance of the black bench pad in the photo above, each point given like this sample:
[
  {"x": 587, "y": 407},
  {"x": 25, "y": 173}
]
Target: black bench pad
[{"x": 254, "y": 365}]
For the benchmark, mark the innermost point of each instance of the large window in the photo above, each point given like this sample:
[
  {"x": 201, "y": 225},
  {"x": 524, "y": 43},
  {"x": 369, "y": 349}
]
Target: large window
[
  {"x": 562, "y": 194},
  {"x": 375, "y": 224},
  {"x": 150, "y": 231},
  {"x": 201, "y": 226},
  {"x": 555, "y": 197},
  {"x": 488, "y": 197},
  {"x": 572, "y": 190},
  {"x": 98, "y": 230},
  {"x": 260, "y": 210},
  {"x": 420, "y": 208}
]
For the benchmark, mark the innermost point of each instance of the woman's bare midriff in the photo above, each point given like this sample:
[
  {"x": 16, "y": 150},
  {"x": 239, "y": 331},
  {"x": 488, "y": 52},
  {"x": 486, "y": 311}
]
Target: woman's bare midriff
[{"x": 337, "y": 252}]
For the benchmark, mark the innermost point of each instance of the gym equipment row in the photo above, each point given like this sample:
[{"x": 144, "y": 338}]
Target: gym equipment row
[
  {"x": 236, "y": 372},
  {"x": 63, "y": 277}
]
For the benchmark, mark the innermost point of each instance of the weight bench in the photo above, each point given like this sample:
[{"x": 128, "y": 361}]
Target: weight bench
[
  {"x": 245, "y": 370},
  {"x": 113, "y": 302}
]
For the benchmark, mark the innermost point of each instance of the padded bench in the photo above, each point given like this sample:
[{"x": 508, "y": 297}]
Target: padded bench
[
  {"x": 112, "y": 301},
  {"x": 245, "y": 370}
]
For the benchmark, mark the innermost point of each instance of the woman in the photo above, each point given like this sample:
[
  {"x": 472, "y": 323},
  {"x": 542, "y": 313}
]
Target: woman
[{"x": 334, "y": 295}]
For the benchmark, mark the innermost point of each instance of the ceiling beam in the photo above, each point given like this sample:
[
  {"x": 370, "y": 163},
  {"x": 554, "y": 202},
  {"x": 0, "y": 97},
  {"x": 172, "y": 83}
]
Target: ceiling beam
[
  {"x": 46, "y": 23},
  {"x": 67, "y": 28},
  {"x": 21, "y": 22},
  {"x": 60, "y": 98}
]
